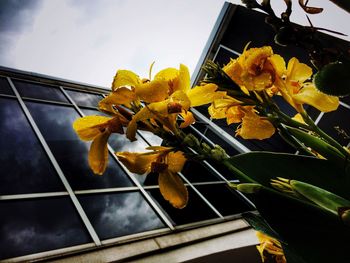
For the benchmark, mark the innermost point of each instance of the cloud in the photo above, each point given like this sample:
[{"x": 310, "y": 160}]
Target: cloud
[{"x": 15, "y": 18}]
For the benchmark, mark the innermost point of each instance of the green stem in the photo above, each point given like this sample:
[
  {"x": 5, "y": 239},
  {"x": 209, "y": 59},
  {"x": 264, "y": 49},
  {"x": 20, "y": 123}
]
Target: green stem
[{"x": 241, "y": 176}]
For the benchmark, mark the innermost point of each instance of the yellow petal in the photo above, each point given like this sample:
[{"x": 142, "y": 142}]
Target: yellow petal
[
  {"x": 234, "y": 70},
  {"x": 310, "y": 95},
  {"x": 297, "y": 117},
  {"x": 180, "y": 98},
  {"x": 201, "y": 95},
  {"x": 98, "y": 154},
  {"x": 139, "y": 163},
  {"x": 254, "y": 127},
  {"x": 217, "y": 113},
  {"x": 188, "y": 119},
  {"x": 183, "y": 81},
  {"x": 173, "y": 189},
  {"x": 278, "y": 64},
  {"x": 297, "y": 71},
  {"x": 156, "y": 90},
  {"x": 234, "y": 115},
  {"x": 125, "y": 78},
  {"x": 175, "y": 161},
  {"x": 143, "y": 114},
  {"x": 254, "y": 57},
  {"x": 89, "y": 127},
  {"x": 167, "y": 74},
  {"x": 121, "y": 96}
]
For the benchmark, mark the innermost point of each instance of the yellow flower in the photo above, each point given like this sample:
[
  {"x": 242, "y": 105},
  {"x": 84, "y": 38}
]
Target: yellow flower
[
  {"x": 179, "y": 102},
  {"x": 254, "y": 69},
  {"x": 253, "y": 126},
  {"x": 167, "y": 163},
  {"x": 127, "y": 87},
  {"x": 98, "y": 129},
  {"x": 296, "y": 91},
  {"x": 270, "y": 247}
]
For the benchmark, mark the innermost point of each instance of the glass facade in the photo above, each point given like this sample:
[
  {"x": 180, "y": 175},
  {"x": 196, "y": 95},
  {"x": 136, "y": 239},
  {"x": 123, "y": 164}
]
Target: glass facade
[{"x": 51, "y": 201}]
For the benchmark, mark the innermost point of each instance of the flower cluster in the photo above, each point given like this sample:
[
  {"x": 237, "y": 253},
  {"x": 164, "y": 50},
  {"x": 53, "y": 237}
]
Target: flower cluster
[
  {"x": 261, "y": 74},
  {"x": 153, "y": 105}
]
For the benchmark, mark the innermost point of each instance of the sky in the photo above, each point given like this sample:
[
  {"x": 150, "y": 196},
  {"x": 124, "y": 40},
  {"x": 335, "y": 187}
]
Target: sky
[{"x": 88, "y": 41}]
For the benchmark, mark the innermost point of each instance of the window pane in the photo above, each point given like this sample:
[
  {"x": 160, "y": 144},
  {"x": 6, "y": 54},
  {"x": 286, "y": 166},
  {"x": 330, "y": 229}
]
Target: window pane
[
  {"x": 196, "y": 209},
  {"x": 25, "y": 168},
  {"x": 84, "y": 99},
  {"x": 114, "y": 215},
  {"x": 224, "y": 199},
  {"x": 39, "y": 91},
  {"x": 197, "y": 172},
  {"x": 5, "y": 87},
  {"x": 55, "y": 123},
  {"x": 32, "y": 226}
]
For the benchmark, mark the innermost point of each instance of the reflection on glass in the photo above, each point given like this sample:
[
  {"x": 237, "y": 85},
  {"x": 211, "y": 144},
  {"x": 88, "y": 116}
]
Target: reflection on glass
[
  {"x": 196, "y": 172},
  {"x": 25, "y": 168},
  {"x": 55, "y": 123},
  {"x": 5, "y": 87},
  {"x": 224, "y": 199},
  {"x": 84, "y": 99},
  {"x": 152, "y": 139},
  {"x": 120, "y": 143},
  {"x": 32, "y": 226},
  {"x": 39, "y": 91},
  {"x": 114, "y": 215},
  {"x": 196, "y": 209}
]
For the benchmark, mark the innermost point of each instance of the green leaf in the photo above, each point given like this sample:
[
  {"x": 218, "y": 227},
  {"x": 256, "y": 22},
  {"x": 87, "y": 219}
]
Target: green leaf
[
  {"x": 320, "y": 146},
  {"x": 261, "y": 167},
  {"x": 259, "y": 224},
  {"x": 312, "y": 234},
  {"x": 334, "y": 79}
]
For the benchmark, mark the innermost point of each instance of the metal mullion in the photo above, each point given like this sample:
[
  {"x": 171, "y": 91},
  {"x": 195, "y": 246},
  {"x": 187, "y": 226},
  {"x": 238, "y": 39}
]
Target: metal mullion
[
  {"x": 344, "y": 105},
  {"x": 61, "y": 103},
  {"x": 32, "y": 195},
  {"x": 107, "y": 190},
  {"x": 82, "y": 90},
  {"x": 228, "y": 49},
  {"x": 193, "y": 188},
  {"x": 47, "y": 80},
  {"x": 131, "y": 175},
  {"x": 56, "y": 166},
  {"x": 319, "y": 117},
  {"x": 208, "y": 183},
  {"x": 7, "y": 96},
  {"x": 136, "y": 236}
]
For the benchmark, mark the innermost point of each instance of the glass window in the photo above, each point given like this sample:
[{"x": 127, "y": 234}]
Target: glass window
[
  {"x": 25, "y": 168},
  {"x": 333, "y": 123},
  {"x": 32, "y": 226},
  {"x": 39, "y": 91},
  {"x": 120, "y": 214},
  {"x": 84, "y": 98},
  {"x": 224, "y": 199},
  {"x": 55, "y": 123},
  {"x": 196, "y": 209},
  {"x": 5, "y": 87},
  {"x": 197, "y": 172}
]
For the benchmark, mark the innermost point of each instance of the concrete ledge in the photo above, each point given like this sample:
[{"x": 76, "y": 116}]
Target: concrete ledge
[{"x": 177, "y": 247}]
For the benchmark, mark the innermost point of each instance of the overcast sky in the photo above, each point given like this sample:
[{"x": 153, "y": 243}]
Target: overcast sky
[{"x": 87, "y": 41}]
